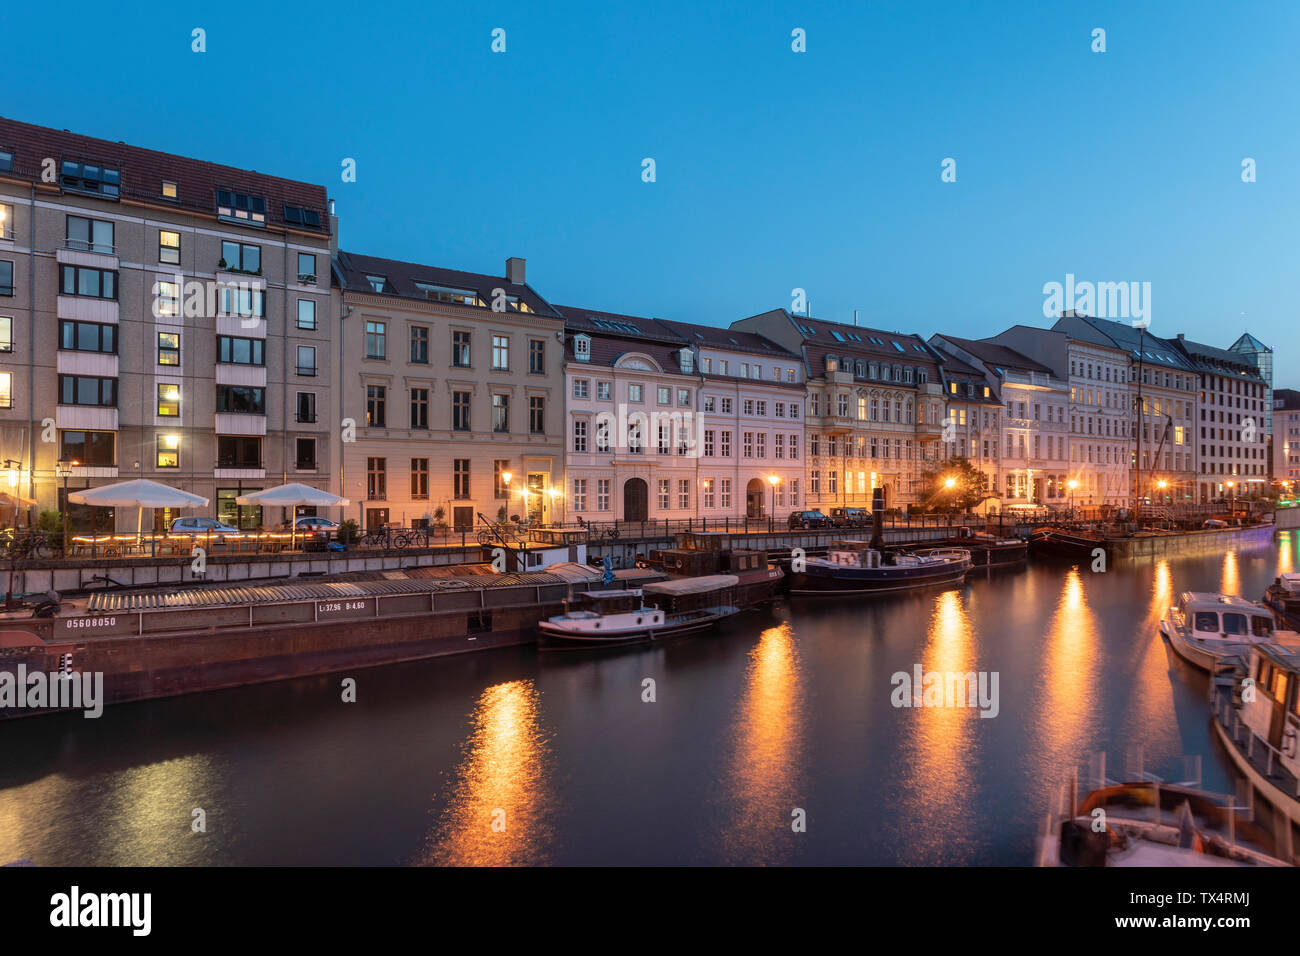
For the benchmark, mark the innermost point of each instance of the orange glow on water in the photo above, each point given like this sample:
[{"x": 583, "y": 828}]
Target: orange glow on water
[
  {"x": 496, "y": 813},
  {"x": 1231, "y": 583},
  {"x": 1286, "y": 544}
]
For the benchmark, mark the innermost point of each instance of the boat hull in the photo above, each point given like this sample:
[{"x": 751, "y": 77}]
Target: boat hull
[
  {"x": 832, "y": 580},
  {"x": 557, "y": 637}
]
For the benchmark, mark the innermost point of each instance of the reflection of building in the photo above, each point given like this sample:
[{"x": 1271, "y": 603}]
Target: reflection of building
[
  {"x": 1232, "y": 408},
  {"x": 1030, "y": 436},
  {"x": 452, "y": 380},
  {"x": 875, "y": 408},
  {"x": 161, "y": 327},
  {"x": 1286, "y": 436}
]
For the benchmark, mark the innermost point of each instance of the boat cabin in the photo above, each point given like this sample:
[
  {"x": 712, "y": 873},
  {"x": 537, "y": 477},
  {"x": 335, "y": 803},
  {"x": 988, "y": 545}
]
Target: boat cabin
[
  {"x": 1224, "y": 616},
  {"x": 1274, "y": 714},
  {"x": 692, "y": 594}
]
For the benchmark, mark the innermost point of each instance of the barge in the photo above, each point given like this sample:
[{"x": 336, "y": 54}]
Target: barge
[{"x": 667, "y": 609}]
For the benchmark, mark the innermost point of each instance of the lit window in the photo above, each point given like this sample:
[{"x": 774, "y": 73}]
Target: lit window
[
  {"x": 168, "y": 190},
  {"x": 169, "y": 451},
  {"x": 169, "y": 400},
  {"x": 169, "y": 247}
]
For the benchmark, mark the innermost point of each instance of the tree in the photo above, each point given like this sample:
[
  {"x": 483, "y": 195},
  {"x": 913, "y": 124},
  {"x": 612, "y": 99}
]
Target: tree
[{"x": 969, "y": 486}]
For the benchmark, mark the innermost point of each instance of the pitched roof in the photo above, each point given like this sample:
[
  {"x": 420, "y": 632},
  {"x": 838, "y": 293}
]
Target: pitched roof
[
  {"x": 1212, "y": 358},
  {"x": 1286, "y": 399},
  {"x": 732, "y": 339},
  {"x": 143, "y": 172},
  {"x": 595, "y": 322},
  {"x": 999, "y": 356},
  {"x": 351, "y": 271},
  {"x": 1153, "y": 348}
]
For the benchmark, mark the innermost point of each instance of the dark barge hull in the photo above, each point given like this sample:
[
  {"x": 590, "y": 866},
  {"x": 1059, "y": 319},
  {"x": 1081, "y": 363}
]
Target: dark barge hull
[
  {"x": 1062, "y": 544},
  {"x": 823, "y": 582},
  {"x": 560, "y": 641}
]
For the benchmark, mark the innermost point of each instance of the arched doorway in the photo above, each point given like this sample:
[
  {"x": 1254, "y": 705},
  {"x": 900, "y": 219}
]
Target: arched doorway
[
  {"x": 754, "y": 492},
  {"x": 636, "y": 500}
]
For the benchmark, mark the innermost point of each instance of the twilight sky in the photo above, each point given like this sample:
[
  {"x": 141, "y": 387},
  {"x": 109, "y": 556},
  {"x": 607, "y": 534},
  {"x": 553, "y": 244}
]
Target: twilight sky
[{"x": 774, "y": 169}]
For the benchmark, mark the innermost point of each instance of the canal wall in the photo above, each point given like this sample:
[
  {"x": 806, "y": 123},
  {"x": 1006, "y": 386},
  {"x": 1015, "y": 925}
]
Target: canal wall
[
  {"x": 1188, "y": 542},
  {"x": 1287, "y": 519}
]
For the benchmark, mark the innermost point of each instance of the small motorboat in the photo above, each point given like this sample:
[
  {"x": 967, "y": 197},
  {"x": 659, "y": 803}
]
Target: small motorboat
[
  {"x": 854, "y": 567},
  {"x": 1204, "y": 627},
  {"x": 664, "y": 609}
]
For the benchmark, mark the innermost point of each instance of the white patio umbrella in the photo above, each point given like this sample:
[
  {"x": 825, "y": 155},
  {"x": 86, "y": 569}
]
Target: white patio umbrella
[
  {"x": 140, "y": 492},
  {"x": 292, "y": 495}
]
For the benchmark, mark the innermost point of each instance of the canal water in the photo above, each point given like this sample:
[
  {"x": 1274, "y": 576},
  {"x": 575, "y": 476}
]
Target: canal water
[{"x": 776, "y": 740}]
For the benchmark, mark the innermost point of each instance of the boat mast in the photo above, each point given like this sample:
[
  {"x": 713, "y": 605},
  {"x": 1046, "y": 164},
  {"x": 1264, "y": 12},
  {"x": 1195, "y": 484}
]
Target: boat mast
[{"x": 1137, "y": 459}]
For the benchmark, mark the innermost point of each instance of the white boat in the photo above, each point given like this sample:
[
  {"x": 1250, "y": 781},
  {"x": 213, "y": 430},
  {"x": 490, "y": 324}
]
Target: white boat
[
  {"x": 1257, "y": 719},
  {"x": 652, "y": 612},
  {"x": 1203, "y": 627}
]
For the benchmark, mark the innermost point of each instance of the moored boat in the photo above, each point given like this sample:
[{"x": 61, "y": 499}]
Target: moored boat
[
  {"x": 1066, "y": 543},
  {"x": 1283, "y": 596},
  {"x": 1204, "y": 627},
  {"x": 665, "y": 609},
  {"x": 854, "y": 567},
  {"x": 987, "y": 550}
]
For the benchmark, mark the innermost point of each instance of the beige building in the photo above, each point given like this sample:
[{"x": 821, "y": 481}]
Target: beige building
[
  {"x": 452, "y": 401},
  {"x": 160, "y": 317}
]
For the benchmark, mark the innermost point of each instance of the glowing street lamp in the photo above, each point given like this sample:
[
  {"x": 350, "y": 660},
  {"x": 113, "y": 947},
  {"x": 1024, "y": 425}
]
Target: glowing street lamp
[
  {"x": 1072, "y": 484},
  {"x": 774, "y": 480},
  {"x": 63, "y": 468}
]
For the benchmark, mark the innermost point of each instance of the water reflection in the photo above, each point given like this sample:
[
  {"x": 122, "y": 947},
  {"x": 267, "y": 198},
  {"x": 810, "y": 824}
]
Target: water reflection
[
  {"x": 1148, "y": 663},
  {"x": 1231, "y": 583},
  {"x": 497, "y": 812},
  {"x": 765, "y": 778},
  {"x": 1286, "y": 552},
  {"x": 941, "y": 739},
  {"x": 1069, "y": 698}
]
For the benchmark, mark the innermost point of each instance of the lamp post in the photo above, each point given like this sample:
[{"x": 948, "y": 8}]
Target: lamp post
[
  {"x": 1232, "y": 499},
  {"x": 949, "y": 484},
  {"x": 1072, "y": 484},
  {"x": 773, "y": 480},
  {"x": 505, "y": 480},
  {"x": 64, "y": 467}
]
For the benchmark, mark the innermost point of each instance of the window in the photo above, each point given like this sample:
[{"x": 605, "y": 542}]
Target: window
[
  {"x": 87, "y": 390},
  {"x": 581, "y": 387},
  {"x": 299, "y": 216},
  {"x": 168, "y": 190},
  {"x": 709, "y": 443},
  {"x": 460, "y": 478},
  {"x": 6, "y": 333},
  {"x": 634, "y": 393},
  {"x": 168, "y": 451},
  {"x": 306, "y": 360},
  {"x": 241, "y": 257},
  {"x": 683, "y": 493},
  {"x": 79, "y": 280},
  {"x": 86, "y": 337},
  {"x": 665, "y": 395},
  {"x": 376, "y": 400},
  {"x": 442, "y": 293},
  {"x": 664, "y": 494},
  {"x": 104, "y": 181},
  {"x": 306, "y": 313},
  {"x": 603, "y": 390},
  {"x": 376, "y": 478},
  {"x": 579, "y": 435},
  {"x": 419, "y": 479},
  {"x": 375, "y": 340},
  {"x": 6, "y": 278},
  {"x": 90, "y": 235},
  {"x": 6, "y": 221},
  {"x": 580, "y": 494},
  {"x": 726, "y": 406},
  {"x": 460, "y": 411},
  {"x": 232, "y": 350},
  {"x": 602, "y": 435},
  {"x": 500, "y": 490},
  {"x": 706, "y": 490},
  {"x": 536, "y": 357},
  {"x": 169, "y": 247},
  {"x": 6, "y": 160},
  {"x": 708, "y": 403},
  {"x": 169, "y": 400},
  {"x": 239, "y": 451},
  {"x": 246, "y": 302},
  {"x": 95, "y": 449},
  {"x": 305, "y": 454},
  {"x": 602, "y": 494},
  {"x": 724, "y": 444},
  {"x": 420, "y": 344},
  {"x": 762, "y": 409},
  {"x": 305, "y": 407},
  {"x": 167, "y": 299},
  {"x": 684, "y": 397},
  {"x": 419, "y": 408},
  {"x": 242, "y": 208},
  {"x": 500, "y": 352},
  {"x": 460, "y": 349},
  {"x": 6, "y": 390},
  {"x": 582, "y": 348},
  {"x": 500, "y": 412},
  {"x": 306, "y": 267},
  {"x": 724, "y": 492},
  {"x": 241, "y": 399}
]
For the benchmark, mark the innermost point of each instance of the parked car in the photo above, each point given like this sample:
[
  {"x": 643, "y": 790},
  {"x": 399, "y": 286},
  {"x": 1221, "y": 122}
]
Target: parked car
[
  {"x": 850, "y": 517},
  {"x": 201, "y": 526},
  {"x": 808, "y": 519},
  {"x": 314, "y": 523}
]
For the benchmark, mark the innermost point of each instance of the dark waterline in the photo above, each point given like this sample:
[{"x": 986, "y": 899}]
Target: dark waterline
[{"x": 789, "y": 707}]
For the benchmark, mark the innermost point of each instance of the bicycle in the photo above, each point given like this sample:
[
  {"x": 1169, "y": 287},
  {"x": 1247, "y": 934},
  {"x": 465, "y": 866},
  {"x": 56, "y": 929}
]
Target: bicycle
[{"x": 35, "y": 544}]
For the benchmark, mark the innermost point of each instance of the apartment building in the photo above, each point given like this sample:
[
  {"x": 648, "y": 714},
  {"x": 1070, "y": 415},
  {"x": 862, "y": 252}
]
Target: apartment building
[
  {"x": 1286, "y": 439},
  {"x": 1233, "y": 409},
  {"x": 1032, "y": 429},
  {"x": 1099, "y": 424},
  {"x": 875, "y": 408},
  {"x": 452, "y": 397},
  {"x": 1261, "y": 356},
  {"x": 160, "y": 317},
  {"x": 1162, "y": 386},
  {"x": 971, "y": 420},
  {"x": 751, "y": 422}
]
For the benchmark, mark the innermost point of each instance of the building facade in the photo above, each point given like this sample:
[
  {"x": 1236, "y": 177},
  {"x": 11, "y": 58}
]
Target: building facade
[
  {"x": 1286, "y": 439},
  {"x": 452, "y": 401},
  {"x": 875, "y": 409},
  {"x": 159, "y": 318}
]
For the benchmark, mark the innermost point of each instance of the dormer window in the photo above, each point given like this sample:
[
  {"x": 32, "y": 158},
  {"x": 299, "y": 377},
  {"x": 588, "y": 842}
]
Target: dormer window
[
  {"x": 91, "y": 179},
  {"x": 169, "y": 190},
  {"x": 241, "y": 208},
  {"x": 831, "y": 363},
  {"x": 379, "y": 283},
  {"x": 687, "y": 360},
  {"x": 582, "y": 348},
  {"x": 298, "y": 216}
]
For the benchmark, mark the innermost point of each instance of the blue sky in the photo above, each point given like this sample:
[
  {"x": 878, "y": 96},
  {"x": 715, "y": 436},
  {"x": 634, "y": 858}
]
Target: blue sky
[{"x": 775, "y": 169}]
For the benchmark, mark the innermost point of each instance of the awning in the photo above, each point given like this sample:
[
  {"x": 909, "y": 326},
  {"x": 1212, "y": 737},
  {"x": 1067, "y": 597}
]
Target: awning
[{"x": 710, "y": 582}]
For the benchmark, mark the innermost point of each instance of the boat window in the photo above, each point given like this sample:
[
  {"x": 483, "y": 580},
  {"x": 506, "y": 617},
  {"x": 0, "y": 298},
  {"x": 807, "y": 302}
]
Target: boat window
[
  {"x": 1262, "y": 626},
  {"x": 1207, "y": 621},
  {"x": 1234, "y": 624}
]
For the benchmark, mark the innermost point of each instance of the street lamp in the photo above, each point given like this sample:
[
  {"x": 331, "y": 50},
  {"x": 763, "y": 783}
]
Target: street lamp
[
  {"x": 1072, "y": 484},
  {"x": 552, "y": 492},
  {"x": 1232, "y": 499},
  {"x": 773, "y": 480},
  {"x": 63, "y": 468}
]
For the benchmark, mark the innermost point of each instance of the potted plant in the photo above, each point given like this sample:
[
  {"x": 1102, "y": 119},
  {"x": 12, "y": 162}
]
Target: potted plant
[
  {"x": 221, "y": 263},
  {"x": 348, "y": 532}
]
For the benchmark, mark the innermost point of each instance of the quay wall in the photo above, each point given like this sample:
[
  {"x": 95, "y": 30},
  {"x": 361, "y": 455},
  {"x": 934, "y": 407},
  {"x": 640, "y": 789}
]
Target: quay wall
[{"x": 1287, "y": 519}]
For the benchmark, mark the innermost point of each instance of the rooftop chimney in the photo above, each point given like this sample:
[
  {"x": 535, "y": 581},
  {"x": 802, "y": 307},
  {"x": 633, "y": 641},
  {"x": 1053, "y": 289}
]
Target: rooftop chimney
[{"x": 515, "y": 270}]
